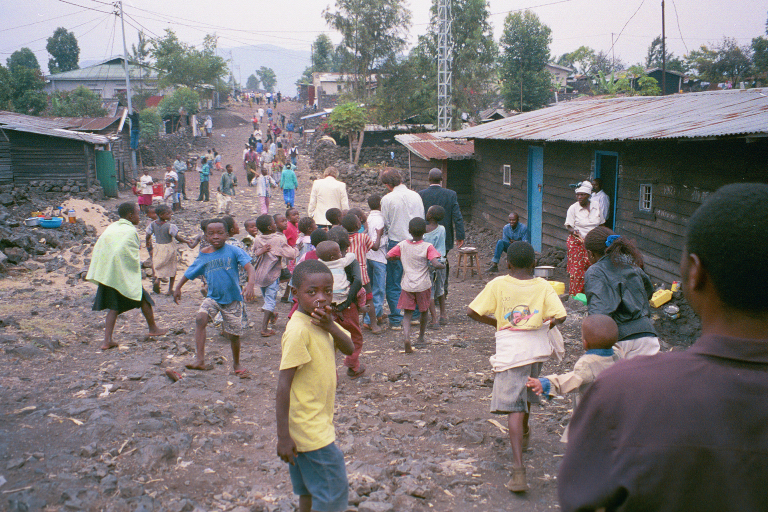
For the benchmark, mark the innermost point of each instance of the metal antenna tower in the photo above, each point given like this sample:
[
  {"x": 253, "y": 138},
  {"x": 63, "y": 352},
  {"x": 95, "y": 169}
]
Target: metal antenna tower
[{"x": 444, "y": 64}]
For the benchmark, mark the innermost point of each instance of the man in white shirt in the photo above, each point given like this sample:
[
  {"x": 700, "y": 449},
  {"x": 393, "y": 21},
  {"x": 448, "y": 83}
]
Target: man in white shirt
[
  {"x": 398, "y": 208},
  {"x": 600, "y": 197}
]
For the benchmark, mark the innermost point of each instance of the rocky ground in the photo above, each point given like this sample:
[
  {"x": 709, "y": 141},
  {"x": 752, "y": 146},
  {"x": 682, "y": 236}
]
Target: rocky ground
[{"x": 82, "y": 429}]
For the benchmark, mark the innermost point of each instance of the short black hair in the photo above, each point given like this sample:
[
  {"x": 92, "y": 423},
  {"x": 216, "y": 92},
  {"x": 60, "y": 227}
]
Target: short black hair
[
  {"x": 162, "y": 208},
  {"x": 374, "y": 202},
  {"x": 417, "y": 226},
  {"x": 306, "y": 268},
  {"x": 126, "y": 209},
  {"x": 521, "y": 255},
  {"x": 263, "y": 222},
  {"x": 214, "y": 221},
  {"x": 305, "y": 223},
  {"x": 734, "y": 217},
  {"x": 339, "y": 235},
  {"x": 350, "y": 222},
  {"x": 438, "y": 212},
  {"x": 229, "y": 223},
  {"x": 333, "y": 215},
  {"x": 289, "y": 210},
  {"x": 249, "y": 221},
  {"x": 317, "y": 236}
]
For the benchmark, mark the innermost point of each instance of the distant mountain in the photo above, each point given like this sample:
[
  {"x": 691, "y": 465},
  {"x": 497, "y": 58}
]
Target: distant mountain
[{"x": 288, "y": 65}]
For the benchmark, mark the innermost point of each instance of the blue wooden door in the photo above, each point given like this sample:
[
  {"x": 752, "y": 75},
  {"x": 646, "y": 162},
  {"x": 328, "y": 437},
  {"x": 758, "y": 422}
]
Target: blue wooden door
[{"x": 535, "y": 193}]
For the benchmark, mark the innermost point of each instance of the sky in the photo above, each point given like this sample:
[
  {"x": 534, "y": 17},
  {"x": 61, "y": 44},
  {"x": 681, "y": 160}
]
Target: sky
[{"x": 294, "y": 24}]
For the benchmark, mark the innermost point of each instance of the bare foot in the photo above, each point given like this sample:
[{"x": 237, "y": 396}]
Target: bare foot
[
  {"x": 375, "y": 329},
  {"x": 107, "y": 346},
  {"x": 273, "y": 320},
  {"x": 199, "y": 365},
  {"x": 408, "y": 349},
  {"x": 156, "y": 331}
]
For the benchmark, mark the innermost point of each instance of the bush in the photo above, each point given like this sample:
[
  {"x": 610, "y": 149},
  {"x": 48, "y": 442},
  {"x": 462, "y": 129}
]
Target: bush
[
  {"x": 82, "y": 102},
  {"x": 150, "y": 124},
  {"x": 181, "y": 97}
]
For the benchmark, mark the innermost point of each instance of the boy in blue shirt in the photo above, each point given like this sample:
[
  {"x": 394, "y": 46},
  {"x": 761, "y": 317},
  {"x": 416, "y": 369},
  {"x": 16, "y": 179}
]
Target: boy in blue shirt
[
  {"x": 435, "y": 235},
  {"x": 220, "y": 263}
]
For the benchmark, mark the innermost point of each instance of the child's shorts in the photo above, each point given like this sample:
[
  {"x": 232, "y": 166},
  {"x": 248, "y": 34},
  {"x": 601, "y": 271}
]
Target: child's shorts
[
  {"x": 322, "y": 475},
  {"x": 231, "y": 314},
  {"x": 270, "y": 295},
  {"x": 415, "y": 300},
  {"x": 438, "y": 282},
  {"x": 510, "y": 393}
]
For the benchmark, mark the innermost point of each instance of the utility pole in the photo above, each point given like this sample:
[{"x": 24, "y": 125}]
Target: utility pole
[
  {"x": 444, "y": 66},
  {"x": 128, "y": 88},
  {"x": 663, "y": 53}
]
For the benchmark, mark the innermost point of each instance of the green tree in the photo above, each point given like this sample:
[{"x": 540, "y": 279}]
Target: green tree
[
  {"x": 655, "y": 55},
  {"x": 82, "y": 102},
  {"x": 760, "y": 54},
  {"x": 725, "y": 60},
  {"x": 181, "y": 97},
  {"x": 21, "y": 90},
  {"x": 407, "y": 89},
  {"x": 350, "y": 119},
  {"x": 267, "y": 77},
  {"x": 637, "y": 82},
  {"x": 64, "y": 51},
  {"x": 150, "y": 124},
  {"x": 253, "y": 82},
  {"x": 23, "y": 57},
  {"x": 581, "y": 60},
  {"x": 141, "y": 51},
  {"x": 372, "y": 33},
  {"x": 6, "y": 89},
  {"x": 185, "y": 65},
  {"x": 526, "y": 84},
  {"x": 474, "y": 55},
  {"x": 322, "y": 54}
]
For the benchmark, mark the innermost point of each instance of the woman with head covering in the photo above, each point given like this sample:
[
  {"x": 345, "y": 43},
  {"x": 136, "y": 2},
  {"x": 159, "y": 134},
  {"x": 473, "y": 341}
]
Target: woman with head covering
[{"x": 583, "y": 216}]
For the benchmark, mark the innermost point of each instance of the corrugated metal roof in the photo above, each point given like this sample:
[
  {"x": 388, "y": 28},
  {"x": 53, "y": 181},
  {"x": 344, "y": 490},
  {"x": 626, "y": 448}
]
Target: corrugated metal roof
[
  {"x": 43, "y": 126},
  {"x": 111, "y": 69},
  {"x": 433, "y": 145},
  {"x": 679, "y": 116},
  {"x": 87, "y": 124}
]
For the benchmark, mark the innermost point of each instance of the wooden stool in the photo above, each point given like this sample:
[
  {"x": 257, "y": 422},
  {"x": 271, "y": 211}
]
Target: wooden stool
[{"x": 469, "y": 262}]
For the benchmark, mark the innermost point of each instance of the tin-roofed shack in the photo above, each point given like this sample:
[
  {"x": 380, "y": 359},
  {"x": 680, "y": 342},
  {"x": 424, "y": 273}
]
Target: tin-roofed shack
[
  {"x": 34, "y": 149},
  {"x": 658, "y": 158},
  {"x": 452, "y": 156}
]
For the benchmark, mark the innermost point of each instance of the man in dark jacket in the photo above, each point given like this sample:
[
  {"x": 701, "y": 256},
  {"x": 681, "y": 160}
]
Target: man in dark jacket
[
  {"x": 686, "y": 430},
  {"x": 435, "y": 194}
]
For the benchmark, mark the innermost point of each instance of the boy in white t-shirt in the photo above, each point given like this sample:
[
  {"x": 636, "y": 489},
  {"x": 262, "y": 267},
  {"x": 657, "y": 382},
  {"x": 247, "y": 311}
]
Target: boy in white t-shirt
[
  {"x": 415, "y": 287},
  {"x": 377, "y": 260}
]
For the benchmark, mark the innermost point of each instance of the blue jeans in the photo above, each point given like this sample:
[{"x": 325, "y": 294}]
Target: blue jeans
[
  {"x": 501, "y": 247},
  {"x": 378, "y": 273},
  {"x": 394, "y": 276}
]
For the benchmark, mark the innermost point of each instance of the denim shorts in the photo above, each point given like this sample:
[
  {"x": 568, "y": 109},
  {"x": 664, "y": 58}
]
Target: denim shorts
[
  {"x": 270, "y": 295},
  {"x": 510, "y": 393},
  {"x": 322, "y": 475}
]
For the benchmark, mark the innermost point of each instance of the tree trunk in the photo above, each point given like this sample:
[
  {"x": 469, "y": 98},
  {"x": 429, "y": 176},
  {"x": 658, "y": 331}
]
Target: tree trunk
[
  {"x": 349, "y": 136},
  {"x": 359, "y": 145}
]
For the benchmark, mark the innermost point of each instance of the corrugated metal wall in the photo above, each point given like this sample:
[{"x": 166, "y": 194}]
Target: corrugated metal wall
[{"x": 39, "y": 157}]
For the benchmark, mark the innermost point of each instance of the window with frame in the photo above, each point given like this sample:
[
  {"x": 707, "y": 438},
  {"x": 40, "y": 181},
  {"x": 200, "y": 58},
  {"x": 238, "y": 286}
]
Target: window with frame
[
  {"x": 506, "y": 172},
  {"x": 646, "y": 197}
]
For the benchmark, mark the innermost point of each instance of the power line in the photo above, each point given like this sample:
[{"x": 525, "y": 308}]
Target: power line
[
  {"x": 44, "y": 38},
  {"x": 86, "y": 7},
  {"x": 677, "y": 18},
  {"x": 43, "y": 21},
  {"x": 625, "y": 26}
]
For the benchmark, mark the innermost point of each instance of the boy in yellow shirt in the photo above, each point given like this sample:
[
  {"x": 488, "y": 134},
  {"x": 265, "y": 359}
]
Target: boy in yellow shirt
[
  {"x": 524, "y": 309},
  {"x": 306, "y": 391}
]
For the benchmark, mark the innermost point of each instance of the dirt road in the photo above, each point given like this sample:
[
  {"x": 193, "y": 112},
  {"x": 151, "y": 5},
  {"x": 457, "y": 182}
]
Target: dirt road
[{"x": 82, "y": 429}]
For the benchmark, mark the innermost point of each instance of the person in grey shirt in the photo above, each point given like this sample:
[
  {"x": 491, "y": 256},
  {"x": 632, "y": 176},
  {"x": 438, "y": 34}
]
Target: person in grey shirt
[{"x": 180, "y": 166}]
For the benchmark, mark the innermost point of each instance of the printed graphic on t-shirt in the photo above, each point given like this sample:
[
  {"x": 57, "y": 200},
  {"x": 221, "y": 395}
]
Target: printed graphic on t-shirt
[{"x": 519, "y": 315}]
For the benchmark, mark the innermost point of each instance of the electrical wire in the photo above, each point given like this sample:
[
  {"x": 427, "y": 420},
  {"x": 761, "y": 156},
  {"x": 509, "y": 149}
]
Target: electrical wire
[
  {"x": 677, "y": 18},
  {"x": 625, "y": 26},
  {"x": 86, "y": 7},
  {"x": 43, "y": 21},
  {"x": 46, "y": 37}
]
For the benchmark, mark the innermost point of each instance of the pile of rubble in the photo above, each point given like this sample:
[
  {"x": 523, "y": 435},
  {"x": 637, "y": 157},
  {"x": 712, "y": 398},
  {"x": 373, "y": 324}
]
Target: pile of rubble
[
  {"x": 49, "y": 190},
  {"x": 163, "y": 150}
]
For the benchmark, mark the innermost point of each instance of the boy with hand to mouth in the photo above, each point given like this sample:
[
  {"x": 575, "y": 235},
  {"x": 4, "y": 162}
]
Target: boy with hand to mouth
[{"x": 306, "y": 393}]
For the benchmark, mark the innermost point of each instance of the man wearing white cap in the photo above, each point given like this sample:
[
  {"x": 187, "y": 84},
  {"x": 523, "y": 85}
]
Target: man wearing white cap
[{"x": 583, "y": 216}]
